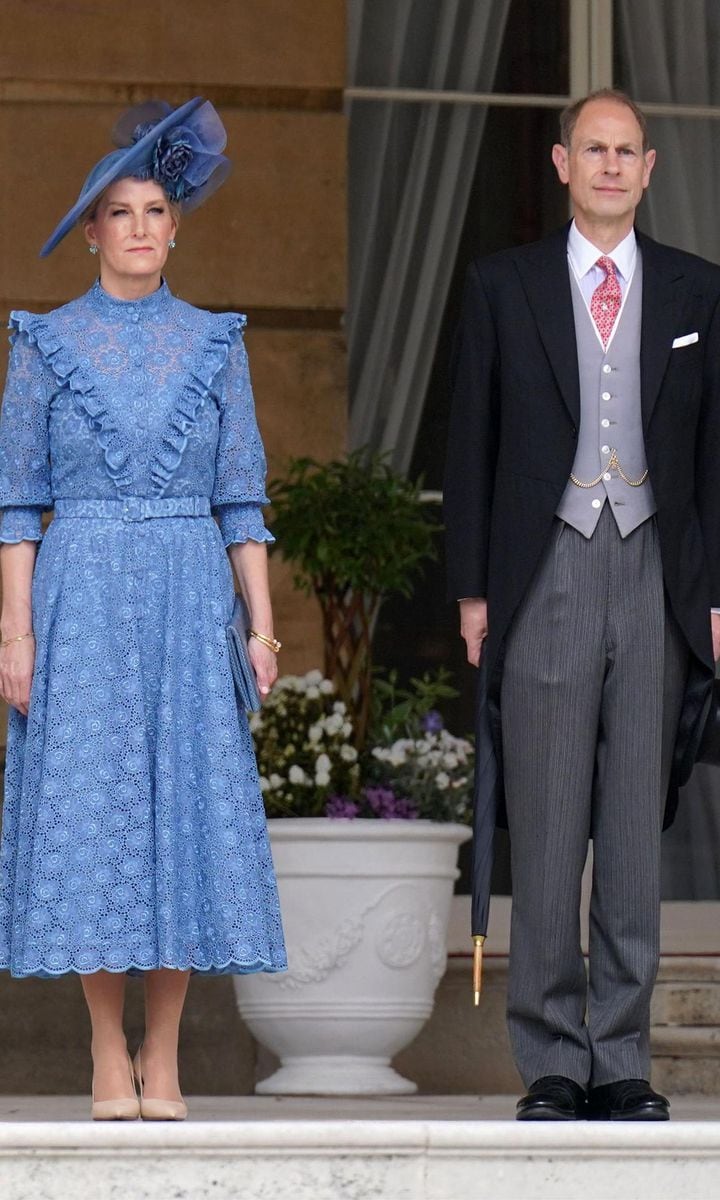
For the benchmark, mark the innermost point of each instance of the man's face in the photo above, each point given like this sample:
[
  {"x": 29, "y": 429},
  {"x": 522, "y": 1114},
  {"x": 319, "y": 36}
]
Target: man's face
[{"x": 605, "y": 167}]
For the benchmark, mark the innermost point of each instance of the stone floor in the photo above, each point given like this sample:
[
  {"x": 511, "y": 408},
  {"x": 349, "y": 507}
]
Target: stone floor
[
  {"x": 417, "y": 1148},
  {"x": 285, "y": 1108}
]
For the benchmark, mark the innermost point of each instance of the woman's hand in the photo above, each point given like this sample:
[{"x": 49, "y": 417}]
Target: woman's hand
[
  {"x": 17, "y": 661},
  {"x": 249, "y": 560},
  {"x": 265, "y": 665}
]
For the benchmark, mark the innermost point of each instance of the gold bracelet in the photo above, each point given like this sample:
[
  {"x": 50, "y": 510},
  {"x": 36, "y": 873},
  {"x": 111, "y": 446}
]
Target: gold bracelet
[
  {"x": 271, "y": 643},
  {"x": 20, "y": 638}
]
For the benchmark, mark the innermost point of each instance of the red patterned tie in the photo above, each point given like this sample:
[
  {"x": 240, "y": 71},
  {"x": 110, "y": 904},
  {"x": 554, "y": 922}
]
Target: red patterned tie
[{"x": 606, "y": 300}]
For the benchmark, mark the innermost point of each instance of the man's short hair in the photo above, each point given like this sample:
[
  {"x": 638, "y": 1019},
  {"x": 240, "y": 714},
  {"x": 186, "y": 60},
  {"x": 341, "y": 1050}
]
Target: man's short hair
[{"x": 569, "y": 115}]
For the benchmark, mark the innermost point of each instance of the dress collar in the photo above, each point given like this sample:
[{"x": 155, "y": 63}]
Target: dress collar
[
  {"x": 148, "y": 306},
  {"x": 583, "y": 254}
]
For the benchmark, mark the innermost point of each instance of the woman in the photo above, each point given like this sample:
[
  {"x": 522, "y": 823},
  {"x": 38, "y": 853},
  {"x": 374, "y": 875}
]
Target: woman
[{"x": 134, "y": 837}]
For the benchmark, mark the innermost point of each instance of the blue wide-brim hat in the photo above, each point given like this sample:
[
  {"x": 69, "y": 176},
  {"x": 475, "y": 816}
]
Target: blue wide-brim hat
[{"x": 179, "y": 148}]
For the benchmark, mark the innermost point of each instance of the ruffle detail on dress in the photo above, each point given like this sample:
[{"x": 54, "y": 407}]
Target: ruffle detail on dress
[
  {"x": 212, "y": 358},
  {"x": 88, "y": 400}
]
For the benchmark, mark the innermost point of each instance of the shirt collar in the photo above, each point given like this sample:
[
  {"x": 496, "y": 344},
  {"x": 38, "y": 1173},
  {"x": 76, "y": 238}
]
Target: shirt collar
[{"x": 583, "y": 255}]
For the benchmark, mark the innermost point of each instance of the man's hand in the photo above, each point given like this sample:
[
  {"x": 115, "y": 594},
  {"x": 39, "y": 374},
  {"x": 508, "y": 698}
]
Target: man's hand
[
  {"x": 715, "y": 626},
  {"x": 474, "y": 627}
]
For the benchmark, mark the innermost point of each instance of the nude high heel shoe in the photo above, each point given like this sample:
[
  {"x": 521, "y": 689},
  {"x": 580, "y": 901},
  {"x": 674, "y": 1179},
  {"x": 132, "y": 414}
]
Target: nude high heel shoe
[
  {"x": 122, "y": 1109},
  {"x": 157, "y": 1110}
]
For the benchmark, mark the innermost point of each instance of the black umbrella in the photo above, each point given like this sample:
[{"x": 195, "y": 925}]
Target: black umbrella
[{"x": 484, "y": 814}]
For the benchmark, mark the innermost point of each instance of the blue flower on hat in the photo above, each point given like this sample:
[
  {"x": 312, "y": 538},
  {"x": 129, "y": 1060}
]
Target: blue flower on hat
[
  {"x": 183, "y": 158},
  {"x": 171, "y": 158}
]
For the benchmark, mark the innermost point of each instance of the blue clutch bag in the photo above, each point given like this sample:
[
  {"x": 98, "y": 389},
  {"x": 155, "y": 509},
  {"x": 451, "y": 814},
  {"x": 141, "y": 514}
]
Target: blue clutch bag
[{"x": 240, "y": 665}]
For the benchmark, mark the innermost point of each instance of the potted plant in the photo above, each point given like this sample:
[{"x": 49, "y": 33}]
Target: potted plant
[
  {"x": 365, "y": 848},
  {"x": 355, "y": 530}
]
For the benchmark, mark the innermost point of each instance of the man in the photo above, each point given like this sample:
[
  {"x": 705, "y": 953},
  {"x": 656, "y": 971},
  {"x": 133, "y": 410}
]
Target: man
[{"x": 583, "y": 521}]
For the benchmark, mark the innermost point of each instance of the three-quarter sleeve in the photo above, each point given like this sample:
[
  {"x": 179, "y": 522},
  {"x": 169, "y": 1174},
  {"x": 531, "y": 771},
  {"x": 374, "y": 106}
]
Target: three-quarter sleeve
[
  {"x": 25, "y": 489},
  {"x": 240, "y": 466}
]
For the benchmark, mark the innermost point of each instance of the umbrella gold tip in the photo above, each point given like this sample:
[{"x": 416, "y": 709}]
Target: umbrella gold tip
[{"x": 478, "y": 940}]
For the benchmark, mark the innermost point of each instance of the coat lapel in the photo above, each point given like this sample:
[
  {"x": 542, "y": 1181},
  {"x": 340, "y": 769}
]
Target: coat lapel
[
  {"x": 664, "y": 289},
  {"x": 545, "y": 278}
]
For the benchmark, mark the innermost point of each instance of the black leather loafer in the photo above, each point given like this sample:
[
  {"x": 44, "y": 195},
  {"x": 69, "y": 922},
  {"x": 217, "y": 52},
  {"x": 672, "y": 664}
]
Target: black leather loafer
[
  {"x": 553, "y": 1098},
  {"x": 627, "y": 1100}
]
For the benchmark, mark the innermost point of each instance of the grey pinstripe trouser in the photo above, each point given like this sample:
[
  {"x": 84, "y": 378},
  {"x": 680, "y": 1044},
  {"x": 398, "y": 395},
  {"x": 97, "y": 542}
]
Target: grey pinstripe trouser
[{"x": 592, "y": 686}]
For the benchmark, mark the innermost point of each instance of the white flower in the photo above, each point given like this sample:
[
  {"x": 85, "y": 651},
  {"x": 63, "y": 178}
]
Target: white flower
[
  {"x": 297, "y": 775},
  {"x": 264, "y": 784},
  {"x": 315, "y": 732},
  {"x": 334, "y": 723},
  {"x": 339, "y": 707},
  {"x": 313, "y": 692},
  {"x": 346, "y": 729},
  {"x": 322, "y": 779},
  {"x": 450, "y": 761},
  {"x": 348, "y": 753},
  {"x": 287, "y": 683},
  {"x": 442, "y": 781},
  {"x": 327, "y": 687},
  {"x": 322, "y": 764},
  {"x": 313, "y": 678},
  {"x": 276, "y": 780}
]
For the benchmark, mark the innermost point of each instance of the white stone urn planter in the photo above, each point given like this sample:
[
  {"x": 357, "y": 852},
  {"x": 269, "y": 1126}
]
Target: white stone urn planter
[{"x": 365, "y": 906}]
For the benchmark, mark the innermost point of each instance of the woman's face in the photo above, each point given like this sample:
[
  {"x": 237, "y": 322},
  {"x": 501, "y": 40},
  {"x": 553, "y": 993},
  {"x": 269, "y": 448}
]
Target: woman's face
[{"x": 131, "y": 228}]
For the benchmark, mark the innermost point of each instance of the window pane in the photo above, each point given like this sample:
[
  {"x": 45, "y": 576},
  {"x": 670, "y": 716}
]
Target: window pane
[{"x": 535, "y": 54}]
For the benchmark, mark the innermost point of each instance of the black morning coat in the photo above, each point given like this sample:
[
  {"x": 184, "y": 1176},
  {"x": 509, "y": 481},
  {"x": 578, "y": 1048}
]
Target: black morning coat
[{"x": 513, "y": 433}]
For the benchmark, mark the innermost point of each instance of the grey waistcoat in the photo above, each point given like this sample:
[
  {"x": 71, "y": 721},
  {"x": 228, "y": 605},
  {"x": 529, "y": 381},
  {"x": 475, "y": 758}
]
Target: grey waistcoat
[{"x": 610, "y": 418}]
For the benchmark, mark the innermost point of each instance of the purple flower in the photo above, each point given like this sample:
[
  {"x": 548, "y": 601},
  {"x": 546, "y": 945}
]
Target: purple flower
[
  {"x": 385, "y": 804},
  {"x": 432, "y": 722},
  {"x": 341, "y": 807}
]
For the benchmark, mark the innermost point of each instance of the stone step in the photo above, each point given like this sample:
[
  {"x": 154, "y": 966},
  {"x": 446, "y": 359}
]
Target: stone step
[
  {"x": 689, "y": 968},
  {"x": 686, "y": 1041},
  {"x": 682, "y": 1003},
  {"x": 686, "y": 1058},
  {"x": 677, "y": 1077},
  {"x": 420, "y": 1148}
]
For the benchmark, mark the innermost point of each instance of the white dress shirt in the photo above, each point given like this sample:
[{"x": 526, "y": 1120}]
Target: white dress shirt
[{"x": 583, "y": 256}]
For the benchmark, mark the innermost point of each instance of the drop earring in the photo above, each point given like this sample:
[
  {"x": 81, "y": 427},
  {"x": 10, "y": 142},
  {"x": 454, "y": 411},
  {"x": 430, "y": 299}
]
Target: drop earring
[
  {"x": 93, "y": 249},
  {"x": 171, "y": 244}
]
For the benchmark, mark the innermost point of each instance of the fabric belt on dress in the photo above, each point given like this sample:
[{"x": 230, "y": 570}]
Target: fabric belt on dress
[{"x": 134, "y": 508}]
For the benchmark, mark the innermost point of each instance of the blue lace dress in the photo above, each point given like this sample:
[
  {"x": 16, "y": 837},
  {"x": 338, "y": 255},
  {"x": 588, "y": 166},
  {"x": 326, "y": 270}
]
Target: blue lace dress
[{"x": 134, "y": 835}]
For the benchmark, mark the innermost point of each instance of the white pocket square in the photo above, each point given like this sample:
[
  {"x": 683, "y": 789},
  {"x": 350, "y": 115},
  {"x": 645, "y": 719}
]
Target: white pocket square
[{"x": 686, "y": 340}]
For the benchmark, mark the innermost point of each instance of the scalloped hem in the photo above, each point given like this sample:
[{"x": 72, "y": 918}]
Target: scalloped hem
[
  {"x": 231, "y": 967},
  {"x": 265, "y": 538},
  {"x": 15, "y": 541}
]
